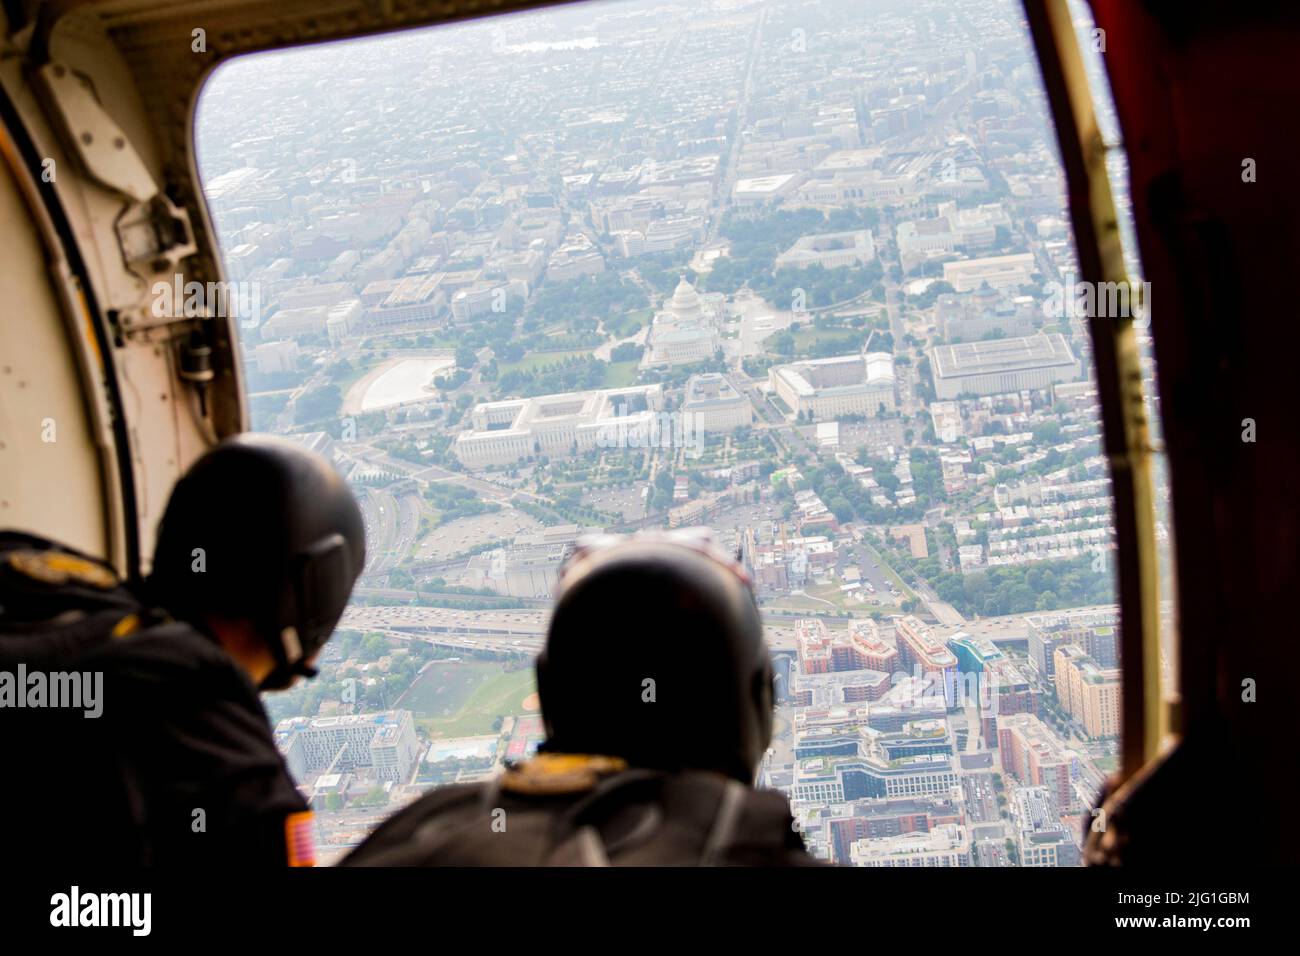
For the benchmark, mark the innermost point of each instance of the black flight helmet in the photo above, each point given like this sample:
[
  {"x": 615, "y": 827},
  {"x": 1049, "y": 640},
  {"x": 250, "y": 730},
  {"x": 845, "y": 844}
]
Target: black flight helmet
[
  {"x": 655, "y": 654},
  {"x": 261, "y": 529}
]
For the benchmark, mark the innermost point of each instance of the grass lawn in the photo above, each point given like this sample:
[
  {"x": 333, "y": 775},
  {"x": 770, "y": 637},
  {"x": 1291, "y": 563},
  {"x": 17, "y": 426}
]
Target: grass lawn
[
  {"x": 360, "y": 369},
  {"x": 620, "y": 374},
  {"x": 799, "y": 602},
  {"x": 462, "y": 699},
  {"x": 445, "y": 687},
  {"x": 829, "y": 592},
  {"x": 807, "y": 337},
  {"x": 439, "y": 339},
  {"x": 621, "y": 326},
  {"x": 536, "y": 360}
]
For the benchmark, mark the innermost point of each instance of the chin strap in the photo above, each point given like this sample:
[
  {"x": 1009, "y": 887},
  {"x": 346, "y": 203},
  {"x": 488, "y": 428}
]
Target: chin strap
[
  {"x": 290, "y": 662},
  {"x": 284, "y": 675}
]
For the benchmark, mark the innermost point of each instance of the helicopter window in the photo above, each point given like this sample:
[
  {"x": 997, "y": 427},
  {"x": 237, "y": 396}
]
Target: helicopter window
[{"x": 797, "y": 271}]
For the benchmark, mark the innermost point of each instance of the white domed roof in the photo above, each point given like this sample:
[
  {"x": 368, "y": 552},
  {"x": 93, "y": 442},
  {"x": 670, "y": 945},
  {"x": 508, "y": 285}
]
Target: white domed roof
[{"x": 685, "y": 300}]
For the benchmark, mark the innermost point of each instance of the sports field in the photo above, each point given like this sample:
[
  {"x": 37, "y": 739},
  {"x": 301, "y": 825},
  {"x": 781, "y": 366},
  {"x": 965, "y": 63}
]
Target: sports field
[{"x": 464, "y": 698}]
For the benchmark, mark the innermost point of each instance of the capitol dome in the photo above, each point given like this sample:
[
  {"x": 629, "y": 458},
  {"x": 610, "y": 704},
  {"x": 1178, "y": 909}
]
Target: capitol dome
[{"x": 685, "y": 303}]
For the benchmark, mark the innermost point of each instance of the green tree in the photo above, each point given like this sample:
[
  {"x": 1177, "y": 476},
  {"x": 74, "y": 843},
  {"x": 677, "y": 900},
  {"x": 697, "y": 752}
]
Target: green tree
[{"x": 373, "y": 647}]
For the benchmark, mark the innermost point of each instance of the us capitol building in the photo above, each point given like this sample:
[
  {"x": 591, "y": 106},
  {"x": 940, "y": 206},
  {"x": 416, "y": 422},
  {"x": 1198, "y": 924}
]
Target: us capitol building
[{"x": 686, "y": 329}]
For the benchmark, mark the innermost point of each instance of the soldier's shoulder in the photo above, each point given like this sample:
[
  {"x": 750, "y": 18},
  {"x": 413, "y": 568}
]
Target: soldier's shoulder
[
  {"x": 767, "y": 834},
  {"x": 167, "y": 645},
  {"x": 54, "y": 601},
  {"x": 172, "y": 660},
  {"x": 398, "y": 840}
]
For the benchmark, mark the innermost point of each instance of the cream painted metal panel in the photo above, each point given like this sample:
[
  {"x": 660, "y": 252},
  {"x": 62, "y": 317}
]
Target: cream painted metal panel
[{"x": 50, "y": 481}]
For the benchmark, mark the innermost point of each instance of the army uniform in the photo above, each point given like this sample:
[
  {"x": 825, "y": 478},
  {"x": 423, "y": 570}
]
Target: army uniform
[
  {"x": 180, "y": 766},
  {"x": 580, "y": 810}
]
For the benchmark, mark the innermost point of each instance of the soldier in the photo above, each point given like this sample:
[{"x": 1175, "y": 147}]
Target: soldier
[
  {"x": 656, "y": 693},
  {"x": 173, "y": 761}
]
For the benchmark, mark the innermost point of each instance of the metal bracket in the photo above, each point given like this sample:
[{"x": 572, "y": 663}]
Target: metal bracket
[
  {"x": 155, "y": 233},
  {"x": 104, "y": 149}
]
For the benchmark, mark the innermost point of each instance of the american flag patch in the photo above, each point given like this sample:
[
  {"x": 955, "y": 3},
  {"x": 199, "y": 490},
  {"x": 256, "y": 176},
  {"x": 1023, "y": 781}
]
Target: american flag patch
[{"x": 299, "y": 839}]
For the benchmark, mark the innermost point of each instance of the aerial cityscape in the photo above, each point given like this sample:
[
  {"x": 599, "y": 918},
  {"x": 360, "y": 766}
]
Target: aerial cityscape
[{"x": 800, "y": 271}]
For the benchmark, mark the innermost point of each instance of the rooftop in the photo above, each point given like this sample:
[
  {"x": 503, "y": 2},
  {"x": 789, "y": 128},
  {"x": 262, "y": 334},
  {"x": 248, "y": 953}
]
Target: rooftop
[
  {"x": 1002, "y": 355},
  {"x": 711, "y": 388}
]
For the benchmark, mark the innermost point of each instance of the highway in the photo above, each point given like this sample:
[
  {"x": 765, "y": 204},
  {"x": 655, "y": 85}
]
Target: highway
[
  {"x": 399, "y": 596},
  {"x": 722, "y": 195},
  {"x": 494, "y": 629},
  {"x": 379, "y": 511},
  {"x": 523, "y": 622}
]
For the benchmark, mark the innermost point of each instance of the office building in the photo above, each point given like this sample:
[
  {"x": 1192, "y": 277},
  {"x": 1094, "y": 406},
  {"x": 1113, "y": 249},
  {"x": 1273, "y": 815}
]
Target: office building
[
  {"x": 998, "y": 272},
  {"x": 997, "y": 366},
  {"x": 848, "y": 823},
  {"x": 983, "y": 314},
  {"x": 1088, "y": 692},
  {"x": 830, "y": 250},
  {"x": 835, "y": 387},
  {"x": 560, "y": 425},
  {"x": 385, "y": 743},
  {"x": 1035, "y": 756},
  {"x": 276, "y": 357},
  {"x": 1041, "y": 838},
  {"x": 921, "y": 653},
  {"x": 948, "y": 844},
  {"x": 715, "y": 405}
]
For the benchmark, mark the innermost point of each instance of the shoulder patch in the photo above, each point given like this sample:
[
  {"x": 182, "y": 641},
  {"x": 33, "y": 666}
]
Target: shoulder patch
[
  {"x": 126, "y": 626},
  {"x": 554, "y": 774},
  {"x": 300, "y": 839},
  {"x": 57, "y": 568}
]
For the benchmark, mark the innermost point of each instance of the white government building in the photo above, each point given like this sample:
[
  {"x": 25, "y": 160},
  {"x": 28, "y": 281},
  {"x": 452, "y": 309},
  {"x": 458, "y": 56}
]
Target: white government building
[
  {"x": 1000, "y": 272},
  {"x": 996, "y": 366},
  {"x": 830, "y": 250},
  {"x": 714, "y": 404},
  {"x": 950, "y": 230},
  {"x": 527, "y": 567},
  {"x": 685, "y": 330},
  {"x": 832, "y": 387},
  {"x": 558, "y": 425}
]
